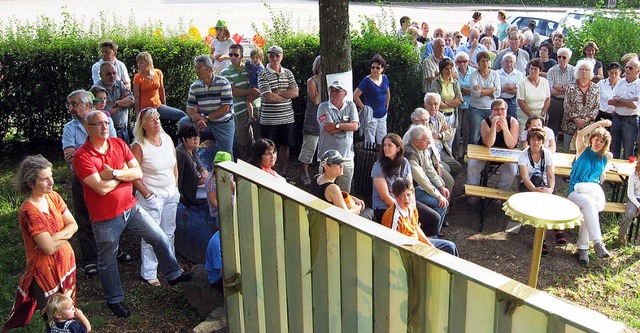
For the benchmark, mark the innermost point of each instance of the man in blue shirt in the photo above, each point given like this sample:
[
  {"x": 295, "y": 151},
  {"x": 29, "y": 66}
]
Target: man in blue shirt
[{"x": 428, "y": 48}]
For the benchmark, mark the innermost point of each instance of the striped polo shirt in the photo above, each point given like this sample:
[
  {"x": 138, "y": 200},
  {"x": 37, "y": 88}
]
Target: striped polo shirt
[
  {"x": 278, "y": 113},
  {"x": 210, "y": 98},
  {"x": 239, "y": 79}
]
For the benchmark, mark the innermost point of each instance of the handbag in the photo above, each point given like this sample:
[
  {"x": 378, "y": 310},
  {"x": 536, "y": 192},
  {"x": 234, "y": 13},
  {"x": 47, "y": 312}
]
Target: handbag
[{"x": 465, "y": 30}]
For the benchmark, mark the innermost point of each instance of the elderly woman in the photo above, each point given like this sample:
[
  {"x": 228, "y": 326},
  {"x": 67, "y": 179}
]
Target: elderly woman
[
  {"x": 581, "y": 102},
  {"x": 148, "y": 89},
  {"x": 509, "y": 79},
  {"x": 157, "y": 191},
  {"x": 587, "y": 172},
  {"x": 485, "y": 88},
  {"x": 544, "y": 54},
  {"x": 374, "y": 88},
  {"x": 192, "y": 174},
  {"x": 310, "y": 127},
  {"x": 606, "y": 91},
  {"x": 489, "y": 30},
  {"x": 534, "y": 94},
  {"x": 464, "y": 75},
  {"x": 46, "y": 225},
  {"x": 448, "y": 88},
  {"x": 589, "y": 51},
  {"x": 264, "y": 156}
]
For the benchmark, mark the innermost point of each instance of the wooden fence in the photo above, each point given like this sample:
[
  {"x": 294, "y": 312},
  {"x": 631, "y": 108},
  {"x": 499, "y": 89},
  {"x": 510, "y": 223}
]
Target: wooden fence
[{"x": 294, "y": 263}]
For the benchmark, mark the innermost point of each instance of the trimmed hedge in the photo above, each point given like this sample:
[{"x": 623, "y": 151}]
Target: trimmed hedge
[{"x": 546, "y": 3}]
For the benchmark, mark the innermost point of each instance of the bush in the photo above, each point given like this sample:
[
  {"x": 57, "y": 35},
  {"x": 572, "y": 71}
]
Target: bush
[
  {"x": 563, "y": 3},
  {"x": 615, "y": 33},
  {"x": 42, "y": 62}
]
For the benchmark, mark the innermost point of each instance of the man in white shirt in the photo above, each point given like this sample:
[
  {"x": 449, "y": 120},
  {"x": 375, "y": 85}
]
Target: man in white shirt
[
  {"x": 624, "y": 128},
  {"x": 109, "y": 50}
]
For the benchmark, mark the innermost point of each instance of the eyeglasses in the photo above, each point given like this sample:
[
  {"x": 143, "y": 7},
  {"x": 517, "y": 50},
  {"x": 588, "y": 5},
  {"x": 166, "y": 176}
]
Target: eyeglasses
[
  {"x": 563, "y": 57},
  {"x": 99, "y": 99},
  {"x": 234, "y": 54},
  {"x": 99, "y": 124},
  {"x": 376, "y": 67},
  {"x": 194, "y": 138},
  {"x": 629, "y": 67},
  {"x": 461, "y": 61},
  {"x": 458, "y": 36},
  {"x": 72, "y": 104}
]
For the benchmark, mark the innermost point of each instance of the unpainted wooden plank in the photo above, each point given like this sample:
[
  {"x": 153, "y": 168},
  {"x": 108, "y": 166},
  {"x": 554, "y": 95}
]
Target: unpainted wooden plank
[
  {"x": 390, "y": 289},
  {"x": 356, "y": 280}
]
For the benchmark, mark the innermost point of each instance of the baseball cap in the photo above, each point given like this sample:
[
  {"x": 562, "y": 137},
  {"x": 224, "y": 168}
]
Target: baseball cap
[
  {"x": 221, "y": 24},
  {"x": 337, "y": 84},
  {"x": 275, "y": 49},
  {"x": 332, "y": 156},
  {"x": 222, "y": 156}
]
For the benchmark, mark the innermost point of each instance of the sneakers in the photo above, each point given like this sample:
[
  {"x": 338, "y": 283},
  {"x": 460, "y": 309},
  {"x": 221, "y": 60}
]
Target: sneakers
[
  {"x": 119, "y": 309},
  {"x": 91, "y": 269},
  {"x": 601, "y": 251},
  {"x": 583, "y": 256}
]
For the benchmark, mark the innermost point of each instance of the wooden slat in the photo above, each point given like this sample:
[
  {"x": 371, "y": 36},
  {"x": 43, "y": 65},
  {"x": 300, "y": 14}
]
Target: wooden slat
[
  {"x": 298, "y": 267},
  {"x": 251, "y": 258},
  {"x": 487, "y": 192},
  {"x": 438, "y": 286},
  {"x": 273, "y": 265},
  {"x": 231, "y": 249},
  {"x": 356, "y": 281},
  {"x": 390, "y": 290},
  {"x": 614, "y": 207}
]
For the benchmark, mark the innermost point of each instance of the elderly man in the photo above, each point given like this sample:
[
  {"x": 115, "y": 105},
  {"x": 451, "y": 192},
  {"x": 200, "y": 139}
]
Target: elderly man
[
  {"x": 107, "y": 169},
  {"x": 509, "y": 79},
  {"x": 522, "y": 56},
  {"x": 119, "y": 99},
  {"x": 209, "y": 106},
  {"x": 441, "y": 130},
  {"x": 498, "y": 130},
  {"x": 431, "y": 65},
  {"x": 428, "y": 48},
  {"x": 74, "y": 135},
  {"x": 338, "y": 119},
  {"x": 431, "y": 189},
  {"x": 109, "y": 50},
  {"x": 472, "y": 47},
  {"x": 559, "y": 77},
  {"x": 624, "y": 128},
  {"x": 277, "y": 87},
  {"x": 238, "y": 76}
]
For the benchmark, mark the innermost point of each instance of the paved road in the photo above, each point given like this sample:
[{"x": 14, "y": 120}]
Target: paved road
[{"x": 240, "y": 14}]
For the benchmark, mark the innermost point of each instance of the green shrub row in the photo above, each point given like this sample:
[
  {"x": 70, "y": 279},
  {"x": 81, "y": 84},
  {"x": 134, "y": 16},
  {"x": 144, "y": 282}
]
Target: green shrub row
[{"x": 546, "y": 3}]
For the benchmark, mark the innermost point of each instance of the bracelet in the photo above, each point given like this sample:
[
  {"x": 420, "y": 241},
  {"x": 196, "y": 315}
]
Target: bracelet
[{"x": 148, "y": 195}]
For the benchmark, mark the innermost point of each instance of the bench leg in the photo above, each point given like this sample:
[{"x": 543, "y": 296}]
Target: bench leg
[{"x": 482, "y": 206}]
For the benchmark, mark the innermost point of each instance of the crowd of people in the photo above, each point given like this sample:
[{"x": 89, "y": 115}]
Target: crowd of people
[{"x": 500, "y": 88}]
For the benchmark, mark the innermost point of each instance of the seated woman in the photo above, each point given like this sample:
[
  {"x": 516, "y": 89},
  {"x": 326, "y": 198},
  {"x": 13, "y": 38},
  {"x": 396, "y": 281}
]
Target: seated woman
[
  {"x": 536, "y": 121},
  {"x": 498, "y": 130},
  {"x": 536, "y": 168},
  {"x": 587, "y": 172},
  {"x": 264, "y": 156},
  {"x": 191, "y": 172},
  {"x": 390, "y": 166},
  {"x": 403, "y": 217},
  {"x": 323, "y": 186}
]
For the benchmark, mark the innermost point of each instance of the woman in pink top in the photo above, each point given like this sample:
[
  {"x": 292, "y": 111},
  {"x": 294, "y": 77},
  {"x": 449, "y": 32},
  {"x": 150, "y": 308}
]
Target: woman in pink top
[{"x": 148, "y": 89}]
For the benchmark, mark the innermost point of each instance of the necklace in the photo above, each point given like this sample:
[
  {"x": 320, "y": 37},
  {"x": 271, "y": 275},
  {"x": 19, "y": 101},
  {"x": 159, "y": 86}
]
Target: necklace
[{"x": 585, "y": 85}]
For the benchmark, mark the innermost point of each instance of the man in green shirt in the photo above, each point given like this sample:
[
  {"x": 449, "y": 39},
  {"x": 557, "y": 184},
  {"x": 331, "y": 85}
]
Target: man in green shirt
[{"x": 246, "y": 126}]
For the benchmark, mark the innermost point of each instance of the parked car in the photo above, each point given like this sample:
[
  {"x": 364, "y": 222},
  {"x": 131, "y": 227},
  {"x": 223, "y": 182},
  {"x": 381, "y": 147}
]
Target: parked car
[
  {"x": 574, "y": 19},
  {"x": 543, "y": 26}
]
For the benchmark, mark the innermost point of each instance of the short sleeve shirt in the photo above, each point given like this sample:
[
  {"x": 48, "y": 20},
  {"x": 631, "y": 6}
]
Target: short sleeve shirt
[
  {"x": 403, "y": 172},
  {"x": 210, "y": 98},
  {"x": 276, "y": 113}
]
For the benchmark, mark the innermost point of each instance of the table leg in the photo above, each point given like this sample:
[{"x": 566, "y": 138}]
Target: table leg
[{"x": 536, "y": 253}]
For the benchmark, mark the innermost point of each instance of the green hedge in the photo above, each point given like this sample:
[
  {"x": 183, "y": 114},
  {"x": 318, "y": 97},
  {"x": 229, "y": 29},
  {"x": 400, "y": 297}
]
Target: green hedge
[
  {"x": 546, "y": 3},
  {"x": 42, "y": 62}
]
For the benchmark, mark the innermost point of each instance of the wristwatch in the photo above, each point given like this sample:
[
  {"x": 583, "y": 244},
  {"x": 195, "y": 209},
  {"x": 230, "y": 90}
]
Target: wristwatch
[
  {"x": 115, "y": 173},
  {"x": 337, "y": 125}
]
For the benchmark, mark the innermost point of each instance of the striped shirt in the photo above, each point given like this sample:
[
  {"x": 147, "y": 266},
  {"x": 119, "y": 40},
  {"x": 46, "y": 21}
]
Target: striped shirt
[
  {"x": 240, "y": 80},
  {"x": 210, "y": 98},
  {"x": 556, "y": 76},
  {"x": 276, "y": 113}
]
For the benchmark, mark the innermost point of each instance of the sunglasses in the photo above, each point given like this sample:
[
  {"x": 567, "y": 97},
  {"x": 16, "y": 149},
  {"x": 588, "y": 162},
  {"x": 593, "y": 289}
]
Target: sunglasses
[
  {"x": 234, "y": 54},
  {"x": 563, "y": 57},
  {"x": 458, "y": 36},
  {"x": 376, "y": 67},
  {"x": 629, "y": 67}
]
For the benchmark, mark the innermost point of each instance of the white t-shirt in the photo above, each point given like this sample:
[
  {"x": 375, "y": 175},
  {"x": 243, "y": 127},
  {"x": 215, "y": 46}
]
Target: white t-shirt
[
  {"x": 537, "y": 166},
  {"x": 547, "y": 131}
]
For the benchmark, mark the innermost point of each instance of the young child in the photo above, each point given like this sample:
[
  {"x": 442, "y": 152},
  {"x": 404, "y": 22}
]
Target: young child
[
  {"x": 60, "y": 312},
  {"x": 536, "y": 121},
  {"x": 403, "y": 217},
  {"x": 220, "y": 47},
  {"x": 254, "y": 68},
  {"x": 633, "y": 206},
  {"x": 210, "y": 185}
]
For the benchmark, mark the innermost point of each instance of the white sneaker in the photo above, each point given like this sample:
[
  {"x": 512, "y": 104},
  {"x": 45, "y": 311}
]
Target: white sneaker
[
  {"x": 583, "y": 256},
  {"x": 601, "y": 251}
]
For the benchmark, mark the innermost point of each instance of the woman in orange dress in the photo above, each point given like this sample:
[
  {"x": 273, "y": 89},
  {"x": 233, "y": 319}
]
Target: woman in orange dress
[{"x": 46, "y": 226}]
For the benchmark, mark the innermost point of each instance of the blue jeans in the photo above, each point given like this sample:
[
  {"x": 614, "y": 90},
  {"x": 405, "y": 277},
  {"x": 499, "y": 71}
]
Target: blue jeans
[
  {"x": 425, "y": 198},
  {"x": 445, "y": 245},
  {"x": 222, "y": 133},
  {"x": 169, "y": 113},
  {"x": 475, "y": 117},
  {"x": 107, "y": 233},
  {"x": 123, "y": 134},
  {"x": 512, "y": 107},
  {"x": 624, "y": 131}
]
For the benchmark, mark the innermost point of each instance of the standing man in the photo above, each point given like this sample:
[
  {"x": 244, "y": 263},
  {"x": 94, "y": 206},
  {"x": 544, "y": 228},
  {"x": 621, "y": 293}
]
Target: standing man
[
  {"x": 119, "y": 99},
  {"x": 472, "y": 47},
  {"x": 428, "y": 48},
  {"x": 624, "y": 128},
  {"x": 559, "y": 77},
  {"x": 238, "y": 76},
  {"x": 107, "y": 169},
  {"x": 431, "y": 65},
  {"x": 509, "y": 79},
  {"x": 209, "y": 106},
  {"x": 522, "y": 56},
  {"x": 338, "y": 119},
  {"x": 109, "y": 50},
  {"x": 277, "y": 88},
  {"x": 74, "y": 135}
]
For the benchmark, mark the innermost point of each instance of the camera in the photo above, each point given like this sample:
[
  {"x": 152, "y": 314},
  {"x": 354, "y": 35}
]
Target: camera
[{"x": 537, "y": 180}]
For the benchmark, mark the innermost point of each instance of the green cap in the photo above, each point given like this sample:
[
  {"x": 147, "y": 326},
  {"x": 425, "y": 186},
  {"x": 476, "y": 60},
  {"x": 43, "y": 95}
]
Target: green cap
[
  {"x": 222, "y": 156},
  {"x": 221, "y": 24}
]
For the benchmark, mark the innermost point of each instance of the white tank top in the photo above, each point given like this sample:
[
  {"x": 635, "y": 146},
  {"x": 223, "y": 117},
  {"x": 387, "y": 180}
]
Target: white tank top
[{"x": 157, "y": 166}]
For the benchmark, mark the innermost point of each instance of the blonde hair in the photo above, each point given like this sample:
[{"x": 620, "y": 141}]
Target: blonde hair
[
  {"x": 145, "y": 57},
  {"x": 257, "y": 52},
  {"x": 143, "y": 116},
  {"x": 55, "y": 305},
  {"x": 605, "y": 136}
]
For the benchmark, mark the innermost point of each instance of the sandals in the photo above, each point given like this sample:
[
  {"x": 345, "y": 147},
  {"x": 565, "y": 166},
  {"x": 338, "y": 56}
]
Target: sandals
[
  {"x": 91, "y": 269},
  {"x": 153, "y": 282},
  {"x": 560, "y": 239}
]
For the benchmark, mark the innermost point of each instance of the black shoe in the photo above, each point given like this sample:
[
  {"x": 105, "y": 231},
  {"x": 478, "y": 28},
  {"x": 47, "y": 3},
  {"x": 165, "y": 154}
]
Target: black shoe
[
  {"x": 184, "y": 277},
  {"x": 119, "y": 309},
  {"x": 91, "y": 269}
]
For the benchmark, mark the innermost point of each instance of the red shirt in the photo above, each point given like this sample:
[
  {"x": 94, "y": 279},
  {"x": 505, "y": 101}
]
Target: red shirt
[{"x": 87, "y": 161}]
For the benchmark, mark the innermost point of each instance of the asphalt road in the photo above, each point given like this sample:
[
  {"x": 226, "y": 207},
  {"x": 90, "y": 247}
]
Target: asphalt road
[{"x": 239, "y": 15}]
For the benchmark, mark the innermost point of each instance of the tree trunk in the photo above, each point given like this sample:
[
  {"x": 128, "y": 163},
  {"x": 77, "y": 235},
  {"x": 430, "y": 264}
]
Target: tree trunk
[{"x": 335, "y": 41}]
